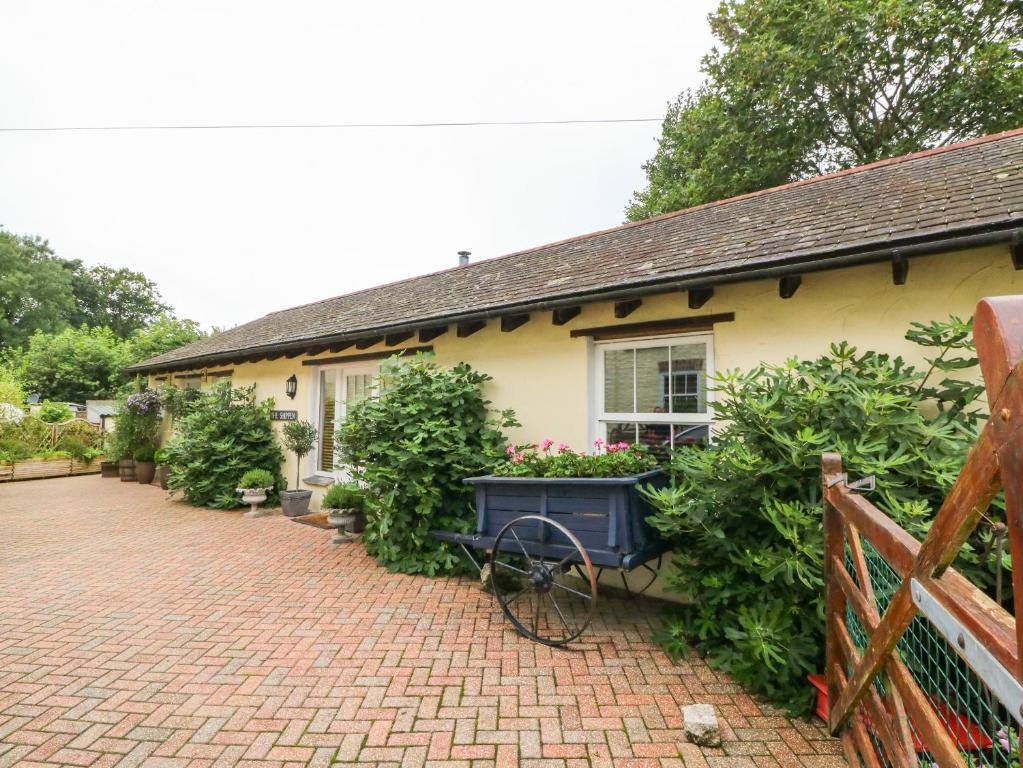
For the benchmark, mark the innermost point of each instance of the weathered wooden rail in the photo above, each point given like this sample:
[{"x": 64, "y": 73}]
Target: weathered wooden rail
[{"x": 881, "y": 710}]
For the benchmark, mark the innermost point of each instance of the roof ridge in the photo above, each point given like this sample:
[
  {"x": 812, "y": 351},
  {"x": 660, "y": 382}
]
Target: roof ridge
[{"x": 898, "y": 160}]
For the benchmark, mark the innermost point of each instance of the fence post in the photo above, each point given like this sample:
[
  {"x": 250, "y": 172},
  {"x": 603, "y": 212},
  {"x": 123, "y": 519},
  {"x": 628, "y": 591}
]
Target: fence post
[
  {"x": 998, "y": 334},
  {"x": 834, "y": 597}
]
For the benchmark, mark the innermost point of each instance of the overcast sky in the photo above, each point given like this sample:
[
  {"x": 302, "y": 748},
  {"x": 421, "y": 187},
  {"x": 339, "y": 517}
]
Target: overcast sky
[{"x": 233, "y": 224}]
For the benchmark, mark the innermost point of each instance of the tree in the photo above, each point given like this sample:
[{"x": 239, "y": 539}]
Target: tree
[
  {"x": 804, "y": 87},
  {"x": 162, "y": 335},
  {"x": 119, "y": 299},
  {"x": 35, "y": 289},
  {"x": 11, "y": 391},
  {"x": 75, "y": 364}
]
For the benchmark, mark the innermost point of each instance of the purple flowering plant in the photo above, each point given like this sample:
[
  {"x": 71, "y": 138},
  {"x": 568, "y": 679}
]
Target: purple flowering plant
[{"x": 145, "y": 402}]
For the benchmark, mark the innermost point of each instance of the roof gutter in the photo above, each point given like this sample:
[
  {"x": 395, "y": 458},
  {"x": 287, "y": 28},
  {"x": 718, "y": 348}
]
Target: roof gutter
[{"x": 1012, "y": 234}]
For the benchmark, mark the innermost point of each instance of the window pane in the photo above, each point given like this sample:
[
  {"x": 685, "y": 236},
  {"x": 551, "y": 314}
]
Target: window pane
[
  {"x": 328, "y": 412},
  {"x": 359, "y": 387},
  {"x": 652, "y": 380},
  {"x": 618, "y": 381},
  {"x": 690, "y": 434},
  {"x": 656, "y": 437},
  {"x": 688, "y": 380},
  {"x": 621, "y": 433}
]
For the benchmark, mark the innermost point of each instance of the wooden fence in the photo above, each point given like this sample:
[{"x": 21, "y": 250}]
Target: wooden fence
[{"x": 922, "y": 667}]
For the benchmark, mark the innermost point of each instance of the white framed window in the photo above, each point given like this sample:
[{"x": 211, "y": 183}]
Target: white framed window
[
  {"x": 654, "y": 391},
  {"x": 336, "y": 389}
]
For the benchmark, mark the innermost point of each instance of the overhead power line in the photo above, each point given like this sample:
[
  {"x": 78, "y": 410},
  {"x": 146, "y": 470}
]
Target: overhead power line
[{"x": 303, "y": 126}]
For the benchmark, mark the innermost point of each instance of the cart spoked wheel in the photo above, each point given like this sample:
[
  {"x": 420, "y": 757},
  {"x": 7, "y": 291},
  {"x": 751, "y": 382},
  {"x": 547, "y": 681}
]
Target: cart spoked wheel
[{"x": 533, "y": 568}]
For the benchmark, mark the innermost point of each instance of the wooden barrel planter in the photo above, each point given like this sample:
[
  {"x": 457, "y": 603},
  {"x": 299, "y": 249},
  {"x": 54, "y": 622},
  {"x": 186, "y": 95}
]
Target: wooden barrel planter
[
  {"x": 108, "y": 469},
  {"x": 126, "y": 468}
]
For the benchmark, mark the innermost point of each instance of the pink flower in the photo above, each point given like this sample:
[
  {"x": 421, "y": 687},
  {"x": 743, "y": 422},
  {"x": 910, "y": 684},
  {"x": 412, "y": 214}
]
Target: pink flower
[
  {"x": 546, "y": 445},
  {"x": 623, "y": 446},
  {"x": 510, "y": 450},
  {"x": 518, "y": 458},
  {"x": 563, "y": 448},
  {"x": 1003, "y": 739},
  {"x": 598, "y": 443}
]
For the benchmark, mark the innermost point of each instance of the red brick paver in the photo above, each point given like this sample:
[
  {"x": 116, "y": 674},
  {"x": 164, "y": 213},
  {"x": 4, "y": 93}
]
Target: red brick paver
[{"x": 135, "y": 630}]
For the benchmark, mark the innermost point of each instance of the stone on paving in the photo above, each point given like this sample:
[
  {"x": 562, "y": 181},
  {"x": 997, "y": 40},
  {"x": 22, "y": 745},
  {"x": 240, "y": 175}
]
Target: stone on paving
[
  {"x": 701, "y": 725},
  {"x": 140, "y": 630}
]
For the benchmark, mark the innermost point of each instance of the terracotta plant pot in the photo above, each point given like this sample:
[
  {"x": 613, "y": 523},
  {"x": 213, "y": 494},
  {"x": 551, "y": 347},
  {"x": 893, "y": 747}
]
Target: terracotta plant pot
[
  {"x": 161, "y": 475},
  {"x": 126, "y": 469},
  {"x": 144, "y": 471},
  {"x": 108, "y": 469},
  {"x": 295, "y": 503}
]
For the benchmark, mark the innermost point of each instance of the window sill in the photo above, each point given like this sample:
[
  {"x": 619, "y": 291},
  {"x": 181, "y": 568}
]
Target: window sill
[{"x": 321, "y": 480}]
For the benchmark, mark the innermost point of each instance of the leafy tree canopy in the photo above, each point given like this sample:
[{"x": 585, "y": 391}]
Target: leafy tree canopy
[
  {"x": 803, "y": 87},
  {"x": 74, "y": 364},
  {"x": 35, "y": 289},
  {"x": 119, "y": 299},
  {"x": 162, "y": 335}
]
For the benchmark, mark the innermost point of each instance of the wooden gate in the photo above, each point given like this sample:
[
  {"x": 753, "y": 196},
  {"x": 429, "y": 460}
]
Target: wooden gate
[{"x": 911, "y": 644}]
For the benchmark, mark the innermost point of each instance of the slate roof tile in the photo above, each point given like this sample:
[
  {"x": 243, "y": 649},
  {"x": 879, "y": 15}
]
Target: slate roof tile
[{"x": 935, "y": 193}]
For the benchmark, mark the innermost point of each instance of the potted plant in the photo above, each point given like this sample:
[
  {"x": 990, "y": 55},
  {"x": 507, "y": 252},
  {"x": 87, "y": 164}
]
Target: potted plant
[
  {"x": 145, "y": 465},
  {"x": 126, "y": 468},
  {"x": 108, "y": 469},
  {"x": 299, "y": 438},
  {"x": 162, "y": 469},
  {"x": 254, "y": 486},
  {"x": 345, "y": 505}
]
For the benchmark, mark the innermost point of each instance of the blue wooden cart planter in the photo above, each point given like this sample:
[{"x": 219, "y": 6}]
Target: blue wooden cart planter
[{"x": 534, "y": 532}]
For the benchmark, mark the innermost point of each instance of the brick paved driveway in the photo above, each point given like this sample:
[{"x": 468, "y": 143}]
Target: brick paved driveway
[{"x": 139, "y": 631}]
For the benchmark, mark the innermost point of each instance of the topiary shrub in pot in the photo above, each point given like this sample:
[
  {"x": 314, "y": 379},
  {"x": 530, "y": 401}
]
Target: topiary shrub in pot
[
  {"x": 299, "y": 438},
  {"x": 145, "y": 465},
  {"x": 345, "y": 505},
  {"x": 254, "y": 487}
]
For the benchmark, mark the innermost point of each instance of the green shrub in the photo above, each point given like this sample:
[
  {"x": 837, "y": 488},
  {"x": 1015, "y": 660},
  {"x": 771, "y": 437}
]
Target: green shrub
[
  {"x": 299, "y": 438},
  {"x": 11, "y": 391},
  {"x": 745, "y": 513},
  {"x": 177, "y": 400},
  {"x": 145, "y": 453},
  {"x": 411, "y": 447},
  {"x": 160, "y": 457},
  {"x": 12, "y": 449},
  {"x": 224, "y": 432},
  {"x": 257, "y": 478},
  {"x": 73, "y": 446},
  {"x": 33, "y": 437},
  {"x": 54, "y": 413},
  {"x": 344, "y": 496},
  {"x": 614, "y": 460}
]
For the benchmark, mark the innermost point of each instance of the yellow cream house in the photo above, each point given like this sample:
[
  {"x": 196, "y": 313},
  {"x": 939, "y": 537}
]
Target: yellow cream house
[{"x": 612, "y": 334}]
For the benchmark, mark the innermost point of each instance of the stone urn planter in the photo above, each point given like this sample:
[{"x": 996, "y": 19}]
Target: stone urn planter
[
  {"x": 161, "y": 475},
  {"x": 295, "y": 503},
  {"x": 145, "y": 471},
  {"x": 108, "y": 469},
  {"x": 254, "y": 497},
  {"x": 126, "y": 469},
  {"x": 343, "y": 521}
]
